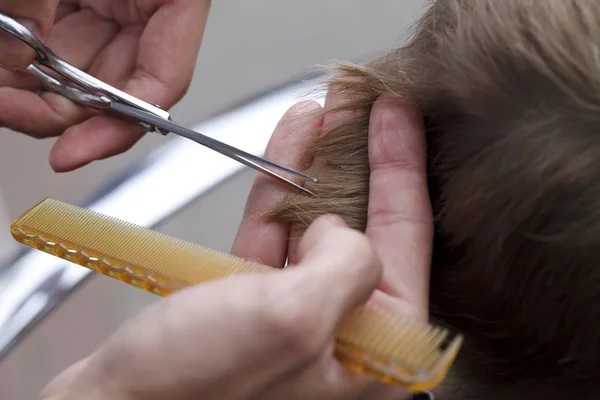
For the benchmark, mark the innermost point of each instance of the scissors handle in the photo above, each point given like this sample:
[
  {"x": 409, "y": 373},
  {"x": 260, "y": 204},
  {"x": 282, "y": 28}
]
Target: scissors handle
[
  {"x": 45, "y": 57},
  {"x": 71, "y": 92}
]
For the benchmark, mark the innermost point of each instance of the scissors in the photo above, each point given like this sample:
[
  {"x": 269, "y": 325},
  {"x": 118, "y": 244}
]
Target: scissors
[{"x": 92, "y": 92}]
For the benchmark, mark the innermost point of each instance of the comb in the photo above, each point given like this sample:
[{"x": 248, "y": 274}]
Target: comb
[{"x": 370, "y": 341}]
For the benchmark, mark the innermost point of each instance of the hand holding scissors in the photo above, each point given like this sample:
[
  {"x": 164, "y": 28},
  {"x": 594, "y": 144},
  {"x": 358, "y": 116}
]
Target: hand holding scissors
[
  {"x": 132, "y": 45},
  {"x": 86, "y": 90}
]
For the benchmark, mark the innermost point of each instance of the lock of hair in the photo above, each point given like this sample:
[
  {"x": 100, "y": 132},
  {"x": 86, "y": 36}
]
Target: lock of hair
[{"x": 370, "y": 341}]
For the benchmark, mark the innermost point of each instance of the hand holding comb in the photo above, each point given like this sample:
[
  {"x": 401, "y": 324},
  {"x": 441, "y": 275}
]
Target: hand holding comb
[{"x": 370, "y": 341}]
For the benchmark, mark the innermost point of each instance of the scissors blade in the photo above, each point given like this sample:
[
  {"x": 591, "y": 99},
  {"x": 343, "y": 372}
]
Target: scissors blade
[{"x": 241, "y": 156}]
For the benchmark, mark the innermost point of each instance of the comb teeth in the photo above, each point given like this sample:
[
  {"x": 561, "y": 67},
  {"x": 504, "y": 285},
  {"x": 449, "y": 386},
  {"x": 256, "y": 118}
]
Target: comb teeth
[
  {"x": 396, "y": 350},
  {"x": 369, "y": 340}
]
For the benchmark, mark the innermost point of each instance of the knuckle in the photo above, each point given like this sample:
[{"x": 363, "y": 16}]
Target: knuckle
[
  {"x": 182, "y": 88},
  {"x": 361, "y": 254},
  {"x": 303, "y": 107},
  {"x": 299, "y": 116},
  {"x": 351, "y": 244},
  {"x": 356, "y": 241},
  {"x": 380, "y": 218}
]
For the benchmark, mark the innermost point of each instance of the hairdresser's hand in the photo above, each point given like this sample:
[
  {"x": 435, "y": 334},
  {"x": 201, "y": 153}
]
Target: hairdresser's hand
[
  {"x": 246, "y": 337},
  {"x": 400, "y": 221},
  {"x": 147, "y": 48}
]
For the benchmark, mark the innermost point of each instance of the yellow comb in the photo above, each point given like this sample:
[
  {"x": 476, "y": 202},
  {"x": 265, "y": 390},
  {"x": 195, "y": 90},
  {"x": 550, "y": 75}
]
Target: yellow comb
[{"x": 393, "y": 350}]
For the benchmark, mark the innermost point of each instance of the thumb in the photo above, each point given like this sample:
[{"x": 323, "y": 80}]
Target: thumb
[
  {"x": 340, "y": 267},
  {"x": 37, "y": 16}
]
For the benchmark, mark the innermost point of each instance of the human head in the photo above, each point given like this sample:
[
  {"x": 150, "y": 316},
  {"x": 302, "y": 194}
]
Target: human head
[{"x": 510, "y": 91}]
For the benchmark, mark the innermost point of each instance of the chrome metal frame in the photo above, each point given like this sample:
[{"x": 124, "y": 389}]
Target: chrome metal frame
[{"x": 35, "y": 283}]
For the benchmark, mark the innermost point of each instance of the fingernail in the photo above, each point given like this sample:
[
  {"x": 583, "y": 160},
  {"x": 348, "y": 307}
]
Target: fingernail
[{"x": 14, "y": 54}]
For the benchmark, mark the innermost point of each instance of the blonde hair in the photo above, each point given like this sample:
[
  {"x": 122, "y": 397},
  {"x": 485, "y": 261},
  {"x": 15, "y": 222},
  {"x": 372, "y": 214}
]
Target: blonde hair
[{"x": 510, "y": 90}]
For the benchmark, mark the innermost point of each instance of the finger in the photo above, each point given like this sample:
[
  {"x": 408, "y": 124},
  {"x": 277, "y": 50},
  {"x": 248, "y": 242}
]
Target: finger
[
  {"x": 335, "y": 115},
  {"x": 174, "y": 32},
  {"x": 258, "y": 239},
  {"x": 94, "y": 139},
  {"x": 400, "y": 221},
  {"x": 80, "y": 36},
  {"x": 338, "y": 267},
  {"x": 77, "y": 38},
  {"x": 333, "y": 101},
  {"x": 63, "y": 10},
  {"x": 102, "y": 136},
  {"x": 38, "y": 17},
  {"x": 26, "y": 112},
  {"x": 295, "y": 236},
  {"x": 53, "y": 114}
]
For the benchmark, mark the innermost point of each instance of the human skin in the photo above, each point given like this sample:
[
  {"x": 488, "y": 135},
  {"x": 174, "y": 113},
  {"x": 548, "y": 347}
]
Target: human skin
[
  {"x": 287, "y": 311},
  {"x": 128, "y": 44},
  {"x": 283, "y": 321}
]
